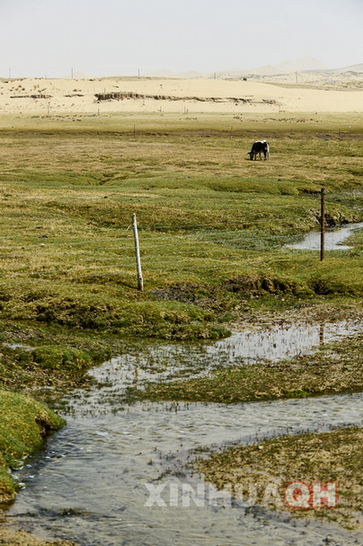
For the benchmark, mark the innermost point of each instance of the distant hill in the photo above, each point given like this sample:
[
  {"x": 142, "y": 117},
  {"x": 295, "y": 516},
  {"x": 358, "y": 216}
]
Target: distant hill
[
  {"x": 78, "y": 76},
  {"x": 171, "y": 74},
  {"x": 302, "y": 65},
  {"x": 305, "y": 64},
  {"x": 353, "y": 68},
  {"x": 265, "y": 71}
]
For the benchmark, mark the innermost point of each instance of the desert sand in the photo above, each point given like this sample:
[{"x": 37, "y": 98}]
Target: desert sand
[{"x": 41, "y": 96}]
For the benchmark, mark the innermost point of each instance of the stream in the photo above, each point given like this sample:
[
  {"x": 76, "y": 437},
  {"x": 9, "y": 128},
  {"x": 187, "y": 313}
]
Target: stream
[
  {"x": 334, "y": 237},
  {"x": 91, "y": 481}
]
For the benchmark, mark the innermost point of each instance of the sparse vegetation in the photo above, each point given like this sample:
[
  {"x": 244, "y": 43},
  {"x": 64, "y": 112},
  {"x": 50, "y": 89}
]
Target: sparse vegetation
[{"x": 328, "y": 457}]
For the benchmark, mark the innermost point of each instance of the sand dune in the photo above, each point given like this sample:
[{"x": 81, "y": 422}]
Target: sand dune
[{"x": 43, "y": 96}]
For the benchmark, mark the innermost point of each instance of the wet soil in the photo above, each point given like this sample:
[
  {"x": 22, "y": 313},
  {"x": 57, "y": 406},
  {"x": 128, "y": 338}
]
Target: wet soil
[{"x": 12, "y": 535}]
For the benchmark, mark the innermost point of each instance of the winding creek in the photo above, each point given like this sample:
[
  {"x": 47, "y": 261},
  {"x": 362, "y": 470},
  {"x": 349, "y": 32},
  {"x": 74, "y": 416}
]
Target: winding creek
[{"x": 89, "y": 482}]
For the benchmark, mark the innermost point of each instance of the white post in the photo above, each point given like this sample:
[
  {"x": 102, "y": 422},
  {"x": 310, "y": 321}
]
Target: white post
[{"x": 140, "y": 282}]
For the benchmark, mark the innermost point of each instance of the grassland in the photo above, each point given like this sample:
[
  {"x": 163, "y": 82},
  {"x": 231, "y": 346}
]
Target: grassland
[
  {"x": 212, "y": 231},
  {"x": 206, "y": 215}
]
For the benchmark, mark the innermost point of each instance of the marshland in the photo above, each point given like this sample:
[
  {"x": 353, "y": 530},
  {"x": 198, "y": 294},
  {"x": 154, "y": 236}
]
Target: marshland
[{"x": 214, "y": 230}]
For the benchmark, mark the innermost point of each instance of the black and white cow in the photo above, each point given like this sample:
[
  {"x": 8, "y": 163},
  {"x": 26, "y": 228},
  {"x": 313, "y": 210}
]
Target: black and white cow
[{"x": 259, "y": 147}]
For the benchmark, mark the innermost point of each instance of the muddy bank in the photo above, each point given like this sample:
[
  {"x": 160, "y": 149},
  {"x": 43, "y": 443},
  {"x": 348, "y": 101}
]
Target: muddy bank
[
  {"x": 11, "y": 535},
  {"x": 217, "y": 297}
]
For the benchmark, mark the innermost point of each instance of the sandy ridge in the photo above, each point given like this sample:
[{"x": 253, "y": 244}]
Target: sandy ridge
[{"x": 60, "y": 96}]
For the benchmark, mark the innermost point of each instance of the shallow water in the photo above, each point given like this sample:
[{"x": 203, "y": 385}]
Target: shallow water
[
  {"x": 165, "y": 362},
  {"x": 333, "y": 238},
  {"x": 281, "y": 342},
  {"x": 89, "y": 483}
]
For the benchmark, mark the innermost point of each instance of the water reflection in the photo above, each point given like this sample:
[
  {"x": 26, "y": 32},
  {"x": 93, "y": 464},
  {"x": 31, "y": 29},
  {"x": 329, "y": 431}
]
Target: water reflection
[
  {"x": 321, "y": 334},
  {"x": 281, "y": 342},
  {"x": 161, "y": 361},
  {"x": 333, "y": 239}
]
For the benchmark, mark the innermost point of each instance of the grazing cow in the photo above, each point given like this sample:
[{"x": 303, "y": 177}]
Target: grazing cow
[{"x": 258, "y": 147}]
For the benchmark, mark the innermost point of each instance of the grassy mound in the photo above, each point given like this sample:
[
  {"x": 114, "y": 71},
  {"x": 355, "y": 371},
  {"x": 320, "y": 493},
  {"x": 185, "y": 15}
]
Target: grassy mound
[{"x": 23, "y": 425}]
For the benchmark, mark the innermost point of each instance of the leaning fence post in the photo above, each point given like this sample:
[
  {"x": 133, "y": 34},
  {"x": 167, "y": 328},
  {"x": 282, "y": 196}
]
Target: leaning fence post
[
  {"x": 140, "y": 283},
  {"x": 322, "y": 224}
]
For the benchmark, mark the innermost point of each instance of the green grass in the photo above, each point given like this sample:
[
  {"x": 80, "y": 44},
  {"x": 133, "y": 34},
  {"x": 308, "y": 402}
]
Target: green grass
[
  {"x": 23, "y": 424},
  {"x": 203, "y": 210},
  {"x": 55, "y": 365}
]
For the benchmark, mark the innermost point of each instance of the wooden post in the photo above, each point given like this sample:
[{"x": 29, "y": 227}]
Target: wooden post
[
  {"x": 140, "y": 282},
  {"x": 322, "y": 222},
  {"x": 230, "y": 136}
]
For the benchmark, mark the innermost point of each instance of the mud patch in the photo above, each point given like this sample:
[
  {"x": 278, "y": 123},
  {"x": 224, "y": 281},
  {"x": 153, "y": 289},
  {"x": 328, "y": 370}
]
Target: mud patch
[
  {"x": 205, "y": 297},
  {"x": 212, "y": 297},
  {"x": 21, "y": 536},
  {"x": 260, "y": 284}
]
